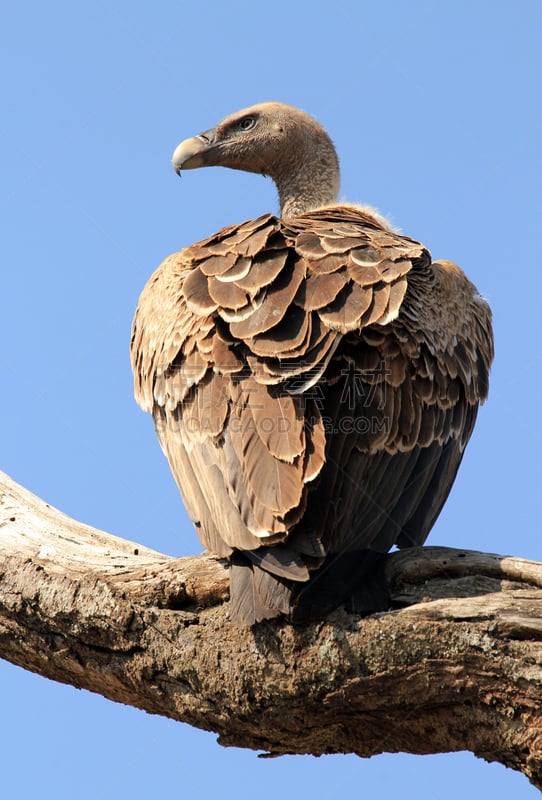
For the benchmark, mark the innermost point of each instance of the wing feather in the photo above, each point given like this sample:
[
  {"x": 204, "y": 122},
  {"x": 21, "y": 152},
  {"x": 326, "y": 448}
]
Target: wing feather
[{"x": 314, "y": 382}]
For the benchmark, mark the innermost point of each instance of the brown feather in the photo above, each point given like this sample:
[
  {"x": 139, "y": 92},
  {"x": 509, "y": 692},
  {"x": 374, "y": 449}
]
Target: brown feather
[
  {"x": 217, "y": 264},
  {"x": 251, "y": 244},
  {"x": 277, "y": 420},
  {"x": 345, "y": 312},
  {"x": 238, "y": 271},
  {"x": 240, "y": 314},
  {"x": 228, "y": 295},
  {"x": 338, "y": 244},
  {"x": 391, "y": 270},
  {"x": 196, "y": 292},
  {"x": 317, "y": 291},
  {"x": 316, "y": 443},
  {"x": 225, "y": 357},
  {"x": 308, "y": 245},
  {"x": 273, "y": 307},
  {"x": 325, "y": 265},
  {"x": 206, "y": 411},
  {"x": 263, "y": 271},
  {"x": 287, "y": 335},
  {"x": 275, "y": 483}
]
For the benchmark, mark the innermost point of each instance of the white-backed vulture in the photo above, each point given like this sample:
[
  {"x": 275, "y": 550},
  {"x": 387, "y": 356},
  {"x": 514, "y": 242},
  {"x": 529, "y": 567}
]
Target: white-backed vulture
[{"x": 314, "y": 378}]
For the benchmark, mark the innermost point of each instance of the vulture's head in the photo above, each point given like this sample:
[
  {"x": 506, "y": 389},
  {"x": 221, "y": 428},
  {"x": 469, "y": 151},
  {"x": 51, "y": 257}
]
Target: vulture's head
[{"x": 272, "y": 139}]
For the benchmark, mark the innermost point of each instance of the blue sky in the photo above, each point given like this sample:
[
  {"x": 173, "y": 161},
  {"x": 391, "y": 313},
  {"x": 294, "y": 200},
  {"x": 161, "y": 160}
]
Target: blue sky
[{"x": 435, "y": 110}]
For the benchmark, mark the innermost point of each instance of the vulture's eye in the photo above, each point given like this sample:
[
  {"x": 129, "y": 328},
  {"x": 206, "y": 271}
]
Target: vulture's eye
[{"x": 247, "y": 123}]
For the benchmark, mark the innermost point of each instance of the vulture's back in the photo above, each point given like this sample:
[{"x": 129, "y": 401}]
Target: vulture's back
[{"x": 314, "y": 381}]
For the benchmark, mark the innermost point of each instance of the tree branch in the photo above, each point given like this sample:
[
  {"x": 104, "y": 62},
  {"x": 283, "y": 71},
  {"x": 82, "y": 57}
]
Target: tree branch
[{"x": 457, "y": 665}]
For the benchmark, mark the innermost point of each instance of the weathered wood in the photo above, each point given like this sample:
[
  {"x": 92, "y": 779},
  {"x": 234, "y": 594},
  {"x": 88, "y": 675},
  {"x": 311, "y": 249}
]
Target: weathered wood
[{"x": 460, "y": 667}]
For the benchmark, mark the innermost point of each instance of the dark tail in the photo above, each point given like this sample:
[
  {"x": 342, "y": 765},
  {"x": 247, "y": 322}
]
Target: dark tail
[
  {"x": 353, "y": 580},
  {"x": 256, "y": 594}
]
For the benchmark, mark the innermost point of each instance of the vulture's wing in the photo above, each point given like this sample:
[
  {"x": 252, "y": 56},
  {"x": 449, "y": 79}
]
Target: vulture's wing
[{"x": 320, "y": 354}]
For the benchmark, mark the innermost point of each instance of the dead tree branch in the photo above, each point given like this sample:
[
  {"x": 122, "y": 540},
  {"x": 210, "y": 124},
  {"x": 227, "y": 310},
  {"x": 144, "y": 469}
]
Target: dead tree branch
[{"x": 456, "y": 666}]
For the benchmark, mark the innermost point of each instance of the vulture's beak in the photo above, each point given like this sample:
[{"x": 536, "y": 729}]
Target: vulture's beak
[{"x": 194, "y": 152}]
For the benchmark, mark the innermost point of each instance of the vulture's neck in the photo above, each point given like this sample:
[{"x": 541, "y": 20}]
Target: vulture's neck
[{"x": 307, "y": 178}]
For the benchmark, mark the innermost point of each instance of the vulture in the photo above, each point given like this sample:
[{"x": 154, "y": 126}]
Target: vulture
[{"x": 314, "y": 378}]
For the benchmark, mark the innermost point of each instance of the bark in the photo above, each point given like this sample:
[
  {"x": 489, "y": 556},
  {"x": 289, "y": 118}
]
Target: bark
[{"x": 457, "y": 665}]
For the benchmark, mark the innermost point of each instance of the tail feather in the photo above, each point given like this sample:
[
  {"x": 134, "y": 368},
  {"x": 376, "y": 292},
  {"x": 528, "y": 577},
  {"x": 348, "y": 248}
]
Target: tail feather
[
  {"x": 255, "y": 594},
  {"x": 353, "y": 580},
  {"x": 280, "y": 560}
]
